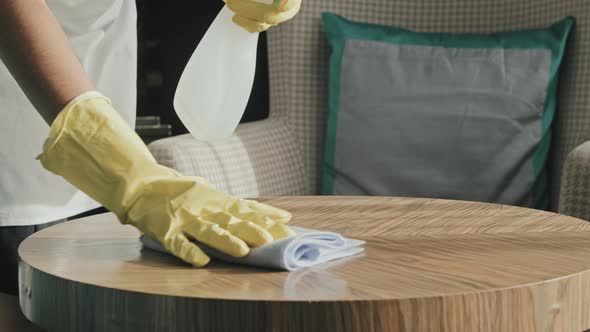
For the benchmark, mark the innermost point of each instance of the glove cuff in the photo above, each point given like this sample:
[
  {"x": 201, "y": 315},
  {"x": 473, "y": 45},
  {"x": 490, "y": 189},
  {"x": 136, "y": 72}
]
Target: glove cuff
[
  {"x": 93, "y": 148},
  {"x": 57, "y": 127}
]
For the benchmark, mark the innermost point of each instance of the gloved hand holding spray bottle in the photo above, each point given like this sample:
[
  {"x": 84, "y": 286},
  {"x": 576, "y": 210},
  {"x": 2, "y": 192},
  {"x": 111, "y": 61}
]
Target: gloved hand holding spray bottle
[{"x": 215, "y": 85}]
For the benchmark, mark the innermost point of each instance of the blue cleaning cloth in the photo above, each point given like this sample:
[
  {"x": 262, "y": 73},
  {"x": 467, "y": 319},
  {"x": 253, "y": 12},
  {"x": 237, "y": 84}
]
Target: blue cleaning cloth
[{"x": 306, "y": 248}]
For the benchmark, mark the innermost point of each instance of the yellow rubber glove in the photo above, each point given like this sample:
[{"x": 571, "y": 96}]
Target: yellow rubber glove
[
  {"x": 257, "y": 17},
  {"x": 93, "y": 148}
]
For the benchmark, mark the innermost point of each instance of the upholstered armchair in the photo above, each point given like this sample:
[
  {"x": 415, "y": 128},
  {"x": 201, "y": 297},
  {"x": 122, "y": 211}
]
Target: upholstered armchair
[{"x": 282, "y": 155}]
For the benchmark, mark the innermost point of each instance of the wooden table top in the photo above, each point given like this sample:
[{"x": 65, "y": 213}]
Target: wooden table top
[{"x": 416, "y": 248}]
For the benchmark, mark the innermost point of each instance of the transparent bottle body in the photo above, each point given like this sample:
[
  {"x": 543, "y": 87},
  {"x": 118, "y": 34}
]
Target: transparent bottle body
[{"x": 216, "y": 83}]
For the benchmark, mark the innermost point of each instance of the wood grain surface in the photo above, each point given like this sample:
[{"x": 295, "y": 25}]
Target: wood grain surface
[{"x": 429, "y": 265}]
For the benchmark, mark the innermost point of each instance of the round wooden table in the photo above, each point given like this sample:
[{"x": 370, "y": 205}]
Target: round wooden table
[{"x": 429, "y": 265}]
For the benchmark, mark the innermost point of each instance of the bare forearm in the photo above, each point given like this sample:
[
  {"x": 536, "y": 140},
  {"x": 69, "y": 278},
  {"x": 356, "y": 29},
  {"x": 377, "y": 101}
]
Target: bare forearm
[{"x": 39, "y": 56}]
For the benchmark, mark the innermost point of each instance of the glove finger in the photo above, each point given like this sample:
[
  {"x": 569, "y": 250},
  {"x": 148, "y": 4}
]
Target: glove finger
[
  {"x": 280, "y": 231},
  {"x": 249, "y": 232},
  {"x": 275, "y": 229},
  {"x": 286, "y": 12},
  {"x": 250, "y": 25},
  {"x": 249, "y": 210},
  {"x": 250, "y": 9},
  {"x": 215, "y": 236},
  {"x": 189, "y": 252},
  {"x": 277, "y": 12},
  {"x": 252, "y": 234}
]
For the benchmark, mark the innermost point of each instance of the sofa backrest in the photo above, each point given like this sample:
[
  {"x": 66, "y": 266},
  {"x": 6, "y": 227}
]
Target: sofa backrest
[{"x": 298, "y": 62}]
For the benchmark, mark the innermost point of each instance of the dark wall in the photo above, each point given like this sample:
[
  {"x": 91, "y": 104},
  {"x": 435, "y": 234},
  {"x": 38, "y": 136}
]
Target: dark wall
[{"x": 168, "y": 33}]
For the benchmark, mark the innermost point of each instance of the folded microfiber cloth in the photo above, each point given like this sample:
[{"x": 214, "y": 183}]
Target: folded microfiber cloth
[{"x": 306, "y": 248}]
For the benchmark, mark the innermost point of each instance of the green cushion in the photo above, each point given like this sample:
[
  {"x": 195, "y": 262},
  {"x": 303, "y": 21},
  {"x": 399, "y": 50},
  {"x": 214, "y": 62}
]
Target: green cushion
[{"x": 459, "y": 116}]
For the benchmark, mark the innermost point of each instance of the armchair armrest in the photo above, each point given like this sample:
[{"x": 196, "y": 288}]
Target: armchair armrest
[
  {"x": 574, "y": 196},
  {"x": 260, "y": 159}
]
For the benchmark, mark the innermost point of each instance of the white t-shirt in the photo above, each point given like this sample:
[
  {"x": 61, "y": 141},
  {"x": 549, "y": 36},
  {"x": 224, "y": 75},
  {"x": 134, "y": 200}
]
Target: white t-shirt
[{"x": 103, "y": 34}]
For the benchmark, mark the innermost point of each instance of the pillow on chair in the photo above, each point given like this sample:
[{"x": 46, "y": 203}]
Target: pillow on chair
[{"x": 458, "y": 116}]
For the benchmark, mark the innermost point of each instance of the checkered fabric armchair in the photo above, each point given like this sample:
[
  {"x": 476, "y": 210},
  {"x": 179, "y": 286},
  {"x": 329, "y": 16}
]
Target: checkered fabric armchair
[{"x": 282, "y": 155}]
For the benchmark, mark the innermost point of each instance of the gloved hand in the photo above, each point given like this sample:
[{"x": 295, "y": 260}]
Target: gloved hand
[
  {"x": 93, "y": 148},
  {"x": 257, "y": 17}
]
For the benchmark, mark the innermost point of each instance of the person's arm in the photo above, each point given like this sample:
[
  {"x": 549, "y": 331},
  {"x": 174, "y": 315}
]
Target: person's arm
[
  {"x": 39, "y": 56},
  {"x": 93, "y": 148}
]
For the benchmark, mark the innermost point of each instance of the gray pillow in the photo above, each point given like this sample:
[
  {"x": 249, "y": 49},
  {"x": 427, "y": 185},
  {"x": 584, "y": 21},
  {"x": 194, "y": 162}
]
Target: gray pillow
[{"x": 458, "y": 116}]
